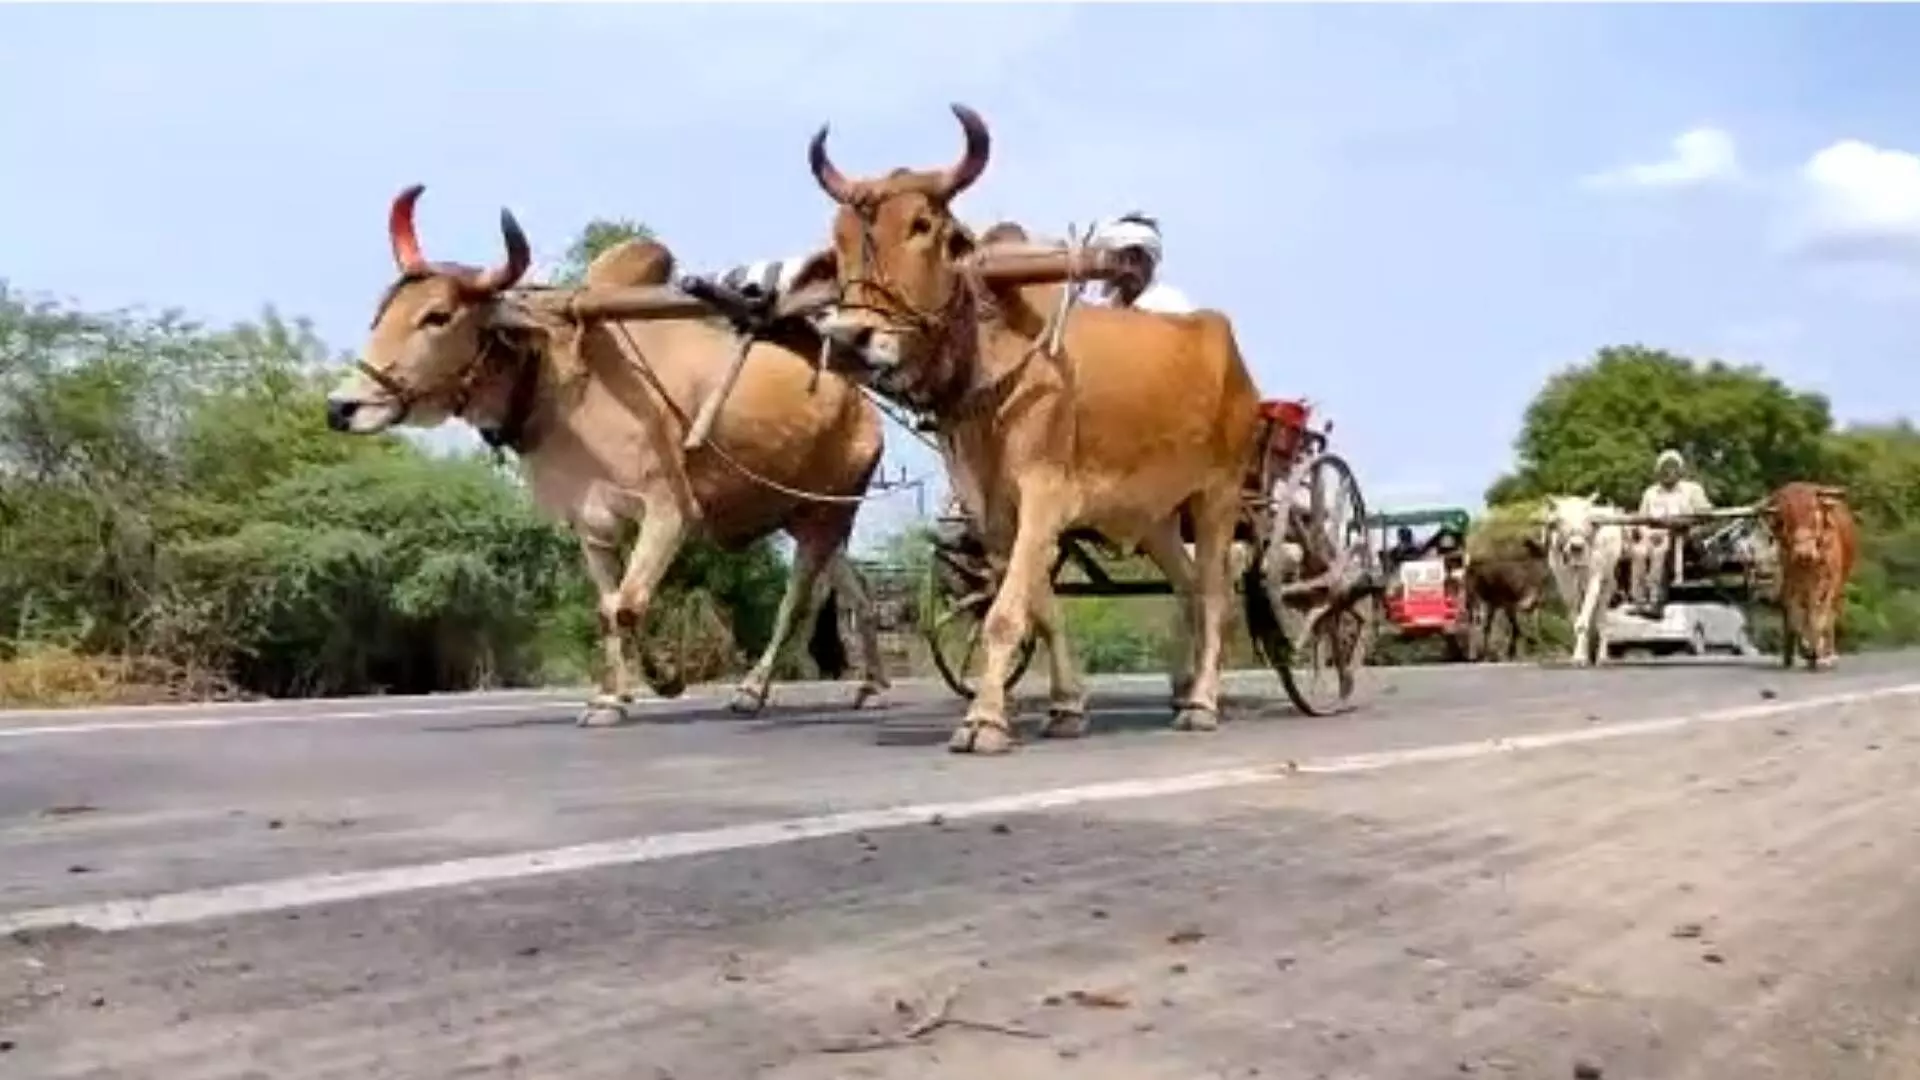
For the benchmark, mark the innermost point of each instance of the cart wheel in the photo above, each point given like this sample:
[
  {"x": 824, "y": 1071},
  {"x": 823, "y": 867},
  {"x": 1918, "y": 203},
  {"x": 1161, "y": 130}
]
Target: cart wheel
[
  {"x": 1321, "y": 673},
  {"x": 1318, "y": 642},
  {"x": 952, "y": 623}
]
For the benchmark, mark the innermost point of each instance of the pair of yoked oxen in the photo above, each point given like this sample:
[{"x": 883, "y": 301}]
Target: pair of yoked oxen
[{"x": 1122, "y": 421}]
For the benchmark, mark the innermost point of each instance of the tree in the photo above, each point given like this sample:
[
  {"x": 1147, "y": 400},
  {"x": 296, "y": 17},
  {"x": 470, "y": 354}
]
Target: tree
[{"x": 1598, "y": 427}]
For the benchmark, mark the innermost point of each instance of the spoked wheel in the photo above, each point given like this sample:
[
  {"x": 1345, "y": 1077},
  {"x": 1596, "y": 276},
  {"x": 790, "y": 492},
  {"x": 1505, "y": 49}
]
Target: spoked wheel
[
  {"x": 1319, "y": 585},
  {"x": 953, "y": 609}
]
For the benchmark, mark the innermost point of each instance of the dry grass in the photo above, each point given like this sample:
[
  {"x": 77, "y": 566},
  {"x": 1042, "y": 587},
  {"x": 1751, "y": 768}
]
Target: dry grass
[{"x": 46, "y": 676}]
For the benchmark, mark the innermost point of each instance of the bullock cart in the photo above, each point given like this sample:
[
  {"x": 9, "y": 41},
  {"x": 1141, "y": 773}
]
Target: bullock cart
[
  {"x": 1718, "y": 564},
  {"x": 1722, "y": 556},
  {"x": 1309, "y": 588},
  {"x": 1310, "y": 580}
]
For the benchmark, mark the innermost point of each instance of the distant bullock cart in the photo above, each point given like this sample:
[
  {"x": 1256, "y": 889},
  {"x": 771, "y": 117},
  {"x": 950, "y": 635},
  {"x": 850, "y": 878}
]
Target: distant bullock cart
[
  {"x": 1796, "y": 549},
  {"x": 1059, "y": 423}
]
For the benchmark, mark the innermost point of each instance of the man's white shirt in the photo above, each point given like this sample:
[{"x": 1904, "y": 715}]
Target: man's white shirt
[
  {"x": 1163, "y": 299},
  {"x": 1685, "y": 497}
]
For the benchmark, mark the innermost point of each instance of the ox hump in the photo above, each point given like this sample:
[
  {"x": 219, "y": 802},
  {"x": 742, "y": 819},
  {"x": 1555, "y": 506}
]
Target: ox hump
[{"x": 631, "y": 263}]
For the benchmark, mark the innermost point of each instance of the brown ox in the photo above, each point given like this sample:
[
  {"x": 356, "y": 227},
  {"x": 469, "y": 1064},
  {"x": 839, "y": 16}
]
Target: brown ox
[
  {"x": 1140, "y": 420},
  {"x": 1814, "y": 534},
  {"x": 600, "y": 444}
]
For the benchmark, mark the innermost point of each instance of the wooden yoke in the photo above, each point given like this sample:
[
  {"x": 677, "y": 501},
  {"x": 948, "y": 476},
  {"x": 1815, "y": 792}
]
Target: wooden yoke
[
  {"x": 1008, "y": 264},
  {"x": 1000, "y": 265}
]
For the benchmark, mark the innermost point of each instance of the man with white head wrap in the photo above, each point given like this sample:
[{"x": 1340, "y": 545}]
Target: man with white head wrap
[
  {"x": 1670, "y": 495},
  {"x": 1138, "y": 237}
]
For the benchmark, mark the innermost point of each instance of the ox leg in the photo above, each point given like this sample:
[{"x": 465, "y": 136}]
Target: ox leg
[
  {"x": 616, "y": 678},
  {"x": 1213, "y": 520},
  {"x": 859, "y": 600},
  {"x": 1066, "y": 694},
  {"x": 623, "y": 605},
  {"x": 1584, "y": 619},
  {"x": 1823, "y": 621},
  {"x": 1792, "y": 620},
  {"x": 986, "y": 729},
  {"x": 810, "y": 554},
  {"x": 1168, "y": 552}
]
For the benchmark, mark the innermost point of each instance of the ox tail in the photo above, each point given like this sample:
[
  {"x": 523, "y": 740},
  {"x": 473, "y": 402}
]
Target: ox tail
[{"x": 824, "y": 644}]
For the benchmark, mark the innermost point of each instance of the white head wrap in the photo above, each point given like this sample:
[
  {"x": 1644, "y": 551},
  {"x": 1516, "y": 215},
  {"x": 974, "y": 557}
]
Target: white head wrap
[
  {"x": 1130, "y": 231},
  {"x": 1670, "y": 457}
]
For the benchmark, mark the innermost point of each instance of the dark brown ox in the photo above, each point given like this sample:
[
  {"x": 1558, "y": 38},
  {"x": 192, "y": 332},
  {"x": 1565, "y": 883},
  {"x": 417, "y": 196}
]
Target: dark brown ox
[
  {"x": 1140, "y": 420},
  {"x": 1814, "y": 534},
  {"x": 600, "y": 442},
  {"x": 1508, "y": 580}
]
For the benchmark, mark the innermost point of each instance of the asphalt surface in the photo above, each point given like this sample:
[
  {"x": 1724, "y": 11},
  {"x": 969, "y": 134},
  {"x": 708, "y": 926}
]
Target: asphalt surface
[{"x": 471, "y": 886}]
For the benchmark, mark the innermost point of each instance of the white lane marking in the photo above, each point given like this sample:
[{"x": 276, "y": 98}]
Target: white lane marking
[
  {"x": 451, "y": 700},
  {"x": 196, "y": 722},
  {"x": 172, "y": 909}
]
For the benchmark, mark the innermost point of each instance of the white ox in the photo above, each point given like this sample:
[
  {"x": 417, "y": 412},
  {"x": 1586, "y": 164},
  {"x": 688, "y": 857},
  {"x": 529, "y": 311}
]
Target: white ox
[{"x": 1584, "y": 556}]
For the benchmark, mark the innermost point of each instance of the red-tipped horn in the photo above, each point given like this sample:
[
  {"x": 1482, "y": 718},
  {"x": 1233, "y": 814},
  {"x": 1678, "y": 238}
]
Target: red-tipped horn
[
  {"x": 824, "y": 172},
  {"x": 974, "y": 161},
  {"x": 406, "y": 246},
  {"x": 519, "y": 257}
]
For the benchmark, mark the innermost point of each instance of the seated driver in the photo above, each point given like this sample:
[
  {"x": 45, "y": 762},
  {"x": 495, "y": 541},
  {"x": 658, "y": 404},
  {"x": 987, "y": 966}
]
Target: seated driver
[
  {"x": 1137, "y": 237},
  {"x": 1671, "y": 494},
  {"x": 1404, "y": 548}
]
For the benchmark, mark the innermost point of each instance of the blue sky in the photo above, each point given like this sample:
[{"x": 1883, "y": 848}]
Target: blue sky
[{"x": 1413, "y": 214}]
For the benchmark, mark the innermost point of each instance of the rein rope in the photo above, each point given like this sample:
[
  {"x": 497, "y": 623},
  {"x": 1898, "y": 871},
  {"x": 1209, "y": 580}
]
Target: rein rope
[{"x": 639, "y": 361}]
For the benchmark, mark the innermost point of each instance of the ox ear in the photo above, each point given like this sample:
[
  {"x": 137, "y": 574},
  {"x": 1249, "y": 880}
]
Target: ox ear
[
  {"x": 820, "y": 268},
  {"x": 1593, "y": 497},
  {"x": 509, "y": 314}
]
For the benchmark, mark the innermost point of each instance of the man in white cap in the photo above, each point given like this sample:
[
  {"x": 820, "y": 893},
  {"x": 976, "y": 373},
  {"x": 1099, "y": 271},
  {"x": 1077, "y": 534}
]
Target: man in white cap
[
  {"x": 1670, "y": 495},
  {"x": 1137, "y": 237}
]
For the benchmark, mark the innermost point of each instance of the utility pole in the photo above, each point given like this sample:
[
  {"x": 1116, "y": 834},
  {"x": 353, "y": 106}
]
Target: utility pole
[{"x": 881, "y": 483}]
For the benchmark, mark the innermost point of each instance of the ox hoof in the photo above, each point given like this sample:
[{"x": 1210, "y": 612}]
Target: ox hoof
[
  {"x": 870, "y": 696},
  {"x": 602, "y": 714},
  {"x": 980, "y": 737},
  {"x": 1064, "y": 723},
  {"x": 746, "y": 702},
  {"x": 1195, "y": 718},
  {"x": 1823, "y": 663}
]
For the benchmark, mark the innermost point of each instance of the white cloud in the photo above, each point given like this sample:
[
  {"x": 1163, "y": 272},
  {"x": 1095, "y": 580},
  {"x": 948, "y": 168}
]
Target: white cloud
[
  {"x": 1856, "y": 202},
  {"x": 1701, "y": 156}
]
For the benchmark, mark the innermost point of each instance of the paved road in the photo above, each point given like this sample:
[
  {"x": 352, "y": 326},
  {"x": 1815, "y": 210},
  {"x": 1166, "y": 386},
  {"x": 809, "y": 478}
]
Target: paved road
[{"x": 1689, "y": 871}]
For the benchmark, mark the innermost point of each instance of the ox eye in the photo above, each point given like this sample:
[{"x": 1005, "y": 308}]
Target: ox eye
[
  {"x": 433, "y": 320},
  {"x": 920, "y": 226}
]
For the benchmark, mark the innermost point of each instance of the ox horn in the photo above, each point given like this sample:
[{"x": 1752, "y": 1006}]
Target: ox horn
[
  {"x": 974, "y": 161},
  {"x": 519, "y": 257},
  {"x": 824, "y": 171},
  {"x": 406, "y": 246}
]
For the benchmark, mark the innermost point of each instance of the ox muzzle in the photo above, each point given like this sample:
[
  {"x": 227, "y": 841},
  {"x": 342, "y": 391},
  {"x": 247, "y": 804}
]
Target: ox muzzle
[{"x": 874, "y": 351}]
